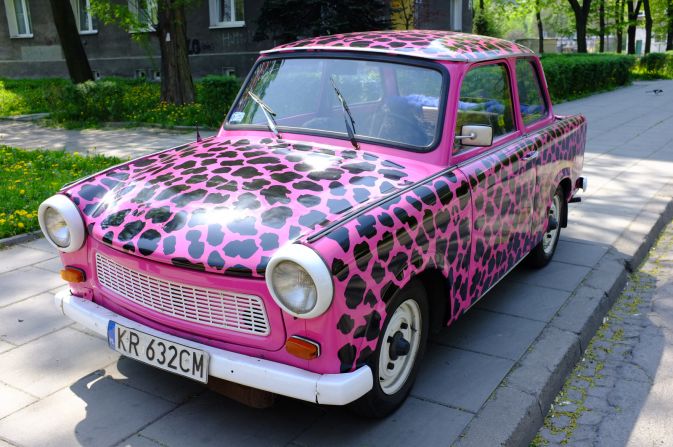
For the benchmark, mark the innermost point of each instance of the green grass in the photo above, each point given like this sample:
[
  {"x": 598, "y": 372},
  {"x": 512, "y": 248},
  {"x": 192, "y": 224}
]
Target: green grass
[
  {"x": 29, "y": 177},
  {"x": 24, "y": 96}
]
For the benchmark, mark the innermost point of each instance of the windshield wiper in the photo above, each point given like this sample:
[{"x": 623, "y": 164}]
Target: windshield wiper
[
  {"x": 268, "y": 113},
  {"x": 348, "y": 117}
]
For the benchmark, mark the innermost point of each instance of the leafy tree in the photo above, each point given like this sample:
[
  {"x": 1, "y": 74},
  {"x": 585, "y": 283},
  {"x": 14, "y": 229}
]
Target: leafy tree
[
  {"x": 633, "y": 10},
  {"x": 279, "y": 20},
  {"x": 169, "y": 24},
  {"x": 71, "y": 44},
  {"x": 669, "y": 25},
  {"x": 482, "y": 23},
  {"x": 403, "y": 14},
  {"x": 581, "y": 12}
]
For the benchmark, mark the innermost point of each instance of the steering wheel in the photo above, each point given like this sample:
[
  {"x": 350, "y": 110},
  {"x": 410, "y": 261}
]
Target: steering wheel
[{"x": 403, "y": 125}]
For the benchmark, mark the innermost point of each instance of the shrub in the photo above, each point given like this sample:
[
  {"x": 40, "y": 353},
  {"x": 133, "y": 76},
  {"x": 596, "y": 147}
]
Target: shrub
[
  {"x": 24, "y": 96},
  {"x": 655, "y": 65},
  {"x": 90, "y": 102},
  {"x": 573, "y": 75},
  {"x": 216, "y": 94}
]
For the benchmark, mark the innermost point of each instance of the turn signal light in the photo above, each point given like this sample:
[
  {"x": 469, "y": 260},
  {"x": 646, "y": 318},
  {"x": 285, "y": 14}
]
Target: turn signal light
[
  {"x": 302, "y": 347},
  {"x": 72, "y": 274}
]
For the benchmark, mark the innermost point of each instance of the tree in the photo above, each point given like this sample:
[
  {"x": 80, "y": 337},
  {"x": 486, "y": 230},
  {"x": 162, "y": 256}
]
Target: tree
[
  {"x": 601, "y": 26},
  {"x": 619, "y": 24},
  {"x": 540, "y": 28},
  {"x": 403, "y": 14},
  {"x": 669, "y": 25},
  {"x": 73, "y": 50},
  {"x": 648, "y": 25},
  {"x": 581, "y": 17},
  {"x": 632, "y": 11},
  {"x": 167, "y": 22},
  {"x": 278, "y": 19}
]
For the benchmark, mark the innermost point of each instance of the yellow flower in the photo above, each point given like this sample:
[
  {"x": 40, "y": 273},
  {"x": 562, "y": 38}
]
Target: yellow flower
[{"x": 20, "y": 225}]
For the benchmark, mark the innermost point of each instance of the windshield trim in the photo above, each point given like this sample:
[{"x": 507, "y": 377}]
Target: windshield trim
[{"x": 401, "y": 60}]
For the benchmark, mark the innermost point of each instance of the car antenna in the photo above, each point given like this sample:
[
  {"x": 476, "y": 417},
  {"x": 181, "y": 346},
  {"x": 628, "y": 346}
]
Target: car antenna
[{"x": 198, "y": 135}]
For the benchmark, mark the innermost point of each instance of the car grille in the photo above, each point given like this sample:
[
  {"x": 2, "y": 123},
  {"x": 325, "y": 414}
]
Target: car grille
[{"x": 217, "y": 308}]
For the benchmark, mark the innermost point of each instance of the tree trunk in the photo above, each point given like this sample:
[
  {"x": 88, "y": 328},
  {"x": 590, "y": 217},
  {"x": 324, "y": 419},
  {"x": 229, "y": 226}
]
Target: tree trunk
[
  {"x": 633, "y": 12},
  {"x": 177, "y": 86},
  {"x": 669, "y": 25},
  {"x": 73, "y": 50},
  {"x": 601, "y": 26},
  {"x": 540, "y": 29},
  {"x": 620, "y": 25},
  {"x": 581, "y": 13},
  {"x": 648, "y": 26}
]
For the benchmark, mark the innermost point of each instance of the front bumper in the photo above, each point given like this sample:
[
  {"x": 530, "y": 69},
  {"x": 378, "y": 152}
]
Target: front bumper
[{"x": 327, "y": 389}]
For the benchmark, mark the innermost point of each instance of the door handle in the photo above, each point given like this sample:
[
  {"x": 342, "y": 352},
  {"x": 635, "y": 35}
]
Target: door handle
[{"x": 532, "y": 155}]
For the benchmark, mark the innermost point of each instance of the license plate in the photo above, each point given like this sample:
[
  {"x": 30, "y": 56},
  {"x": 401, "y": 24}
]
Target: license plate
[{"x": 155, "y": 351}]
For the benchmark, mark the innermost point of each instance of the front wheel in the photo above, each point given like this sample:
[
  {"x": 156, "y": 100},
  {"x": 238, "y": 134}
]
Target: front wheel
[
  {"x": 395, "y": 363},
  {"x": 544, "y": 251}
]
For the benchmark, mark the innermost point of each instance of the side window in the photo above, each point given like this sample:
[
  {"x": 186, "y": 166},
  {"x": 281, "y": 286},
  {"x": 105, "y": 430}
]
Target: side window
[
  {"x": 485, "y": 99},
  {"x": 533, "y": 106}
]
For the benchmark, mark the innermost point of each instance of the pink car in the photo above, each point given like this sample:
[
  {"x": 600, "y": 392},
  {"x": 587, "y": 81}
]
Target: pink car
[{"x": 364, "y": 189}]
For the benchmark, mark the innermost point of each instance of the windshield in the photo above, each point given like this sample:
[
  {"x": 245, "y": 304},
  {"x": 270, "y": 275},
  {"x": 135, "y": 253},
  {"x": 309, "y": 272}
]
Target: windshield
[{"x": 396, "y": 103}]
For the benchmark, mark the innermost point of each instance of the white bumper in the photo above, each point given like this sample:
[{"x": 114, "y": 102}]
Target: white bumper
[{"x": 327, "y": 389}]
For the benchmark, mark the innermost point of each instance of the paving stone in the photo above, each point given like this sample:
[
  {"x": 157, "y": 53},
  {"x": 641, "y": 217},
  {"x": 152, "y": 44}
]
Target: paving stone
[
  {"x": 416, "y": 423},
  {"x": 138, "y": 441},
  {"x": 54, "y": 361},
  {"x": 542, "y": 371},
  {"x": 41, "y": 244},
  {"x": 95, "y": 410},
  {"x": 524, "y": 300},
  {"x": 590, "y": 417},
  {"x": 556, "y": 275},
  {"x": 153, "y": 381},
  {"x": 53, "y": 265},
  {"x": 577, "y": 253},
  {"x": 491, "y": 333},
  {"x": 510, "y": 418},
  {"x": 30, "y": 319},
  {"x": 12, "y": 400},
  {"x": 554, "y": 438},
  {"x": 211, "y": 419},
  {"x": 458, "y": 378},
  {"x": 17, "y": 257},
  {"x": 25, "y": 282},
  {"x": 4, "y": 346}
]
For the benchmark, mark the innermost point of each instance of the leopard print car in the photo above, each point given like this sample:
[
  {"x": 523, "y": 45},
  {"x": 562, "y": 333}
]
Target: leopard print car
[{"x": 321, "y": 257}]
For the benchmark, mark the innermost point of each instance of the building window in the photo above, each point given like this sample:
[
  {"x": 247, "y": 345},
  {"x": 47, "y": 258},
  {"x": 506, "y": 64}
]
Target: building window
[
  {"x": 18, "y": 18},
  {"x": 145, "y": 12},
  {"x": 226, "y": 13},
  {"x": 82, "y": 11}
]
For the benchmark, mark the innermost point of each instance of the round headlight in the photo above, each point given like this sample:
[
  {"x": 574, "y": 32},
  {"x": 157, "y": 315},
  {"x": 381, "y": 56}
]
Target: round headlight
[
  {"x": 57, "y": 227},
  {"x": 299, "y": 281},
  {"x": 61, "y": 223},
  {"x": 294, "y": 287}
]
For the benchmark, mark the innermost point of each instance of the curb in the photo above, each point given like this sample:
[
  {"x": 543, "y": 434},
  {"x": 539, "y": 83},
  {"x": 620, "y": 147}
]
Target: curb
[
  {"x": 20, "y": 239},
  {"x": 515, "y": 411}
]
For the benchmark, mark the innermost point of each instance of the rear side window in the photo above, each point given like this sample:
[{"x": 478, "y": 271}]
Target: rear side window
[
  {"x": 485, "y": 99},
  {"x": 533, "y": 106}
]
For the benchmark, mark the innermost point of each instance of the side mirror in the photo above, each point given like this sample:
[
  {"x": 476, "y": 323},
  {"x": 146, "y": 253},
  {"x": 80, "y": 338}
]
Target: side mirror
[{"x": 476, "y": 135}]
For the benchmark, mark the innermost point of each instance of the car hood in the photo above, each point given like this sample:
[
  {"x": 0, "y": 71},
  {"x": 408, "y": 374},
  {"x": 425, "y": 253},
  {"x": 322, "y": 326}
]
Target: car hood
[{"x": 224, "y": 205}]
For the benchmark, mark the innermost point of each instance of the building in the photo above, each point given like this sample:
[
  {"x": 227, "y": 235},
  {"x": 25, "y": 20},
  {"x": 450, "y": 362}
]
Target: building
[{"x": 220, "y": 37}]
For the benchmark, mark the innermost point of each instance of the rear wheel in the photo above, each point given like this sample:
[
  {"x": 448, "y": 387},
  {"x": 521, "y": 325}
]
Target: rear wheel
[
  {"x": 544, "y": 251},
  {"x": 401, "y": 346}
]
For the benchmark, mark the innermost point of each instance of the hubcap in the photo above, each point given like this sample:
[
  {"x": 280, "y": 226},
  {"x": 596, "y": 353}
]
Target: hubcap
[
  {"x": 399, "y": 347},
  {"x": 550, "y": 236}
]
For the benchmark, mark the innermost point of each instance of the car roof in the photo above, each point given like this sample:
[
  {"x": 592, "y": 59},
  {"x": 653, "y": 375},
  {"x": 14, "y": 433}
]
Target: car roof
[{"x": 426, "y": 44}]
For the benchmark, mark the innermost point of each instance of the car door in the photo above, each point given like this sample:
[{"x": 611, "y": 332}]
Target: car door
[{"x": 501, "y": 176}]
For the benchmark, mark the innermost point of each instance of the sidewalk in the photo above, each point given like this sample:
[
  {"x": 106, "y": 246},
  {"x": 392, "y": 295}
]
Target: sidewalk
[
  {"x": 488, "y": 380},
  {"x": 622, "y": 393},
  {"x": 118, "y": 142}
]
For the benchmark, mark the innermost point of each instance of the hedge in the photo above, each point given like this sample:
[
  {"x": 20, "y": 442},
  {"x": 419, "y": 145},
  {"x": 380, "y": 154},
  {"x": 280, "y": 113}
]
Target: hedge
[
  {"x": 655, "y": 65},
  {"x": 573, "y": 75},
  {"x": 117, "y": 99}
]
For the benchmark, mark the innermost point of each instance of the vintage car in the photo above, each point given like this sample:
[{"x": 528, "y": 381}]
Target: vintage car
[{"x": 365, "y": 189}]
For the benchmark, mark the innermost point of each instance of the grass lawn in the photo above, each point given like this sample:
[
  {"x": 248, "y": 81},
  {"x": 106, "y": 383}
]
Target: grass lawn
[{"x": 29, "y": 177}]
